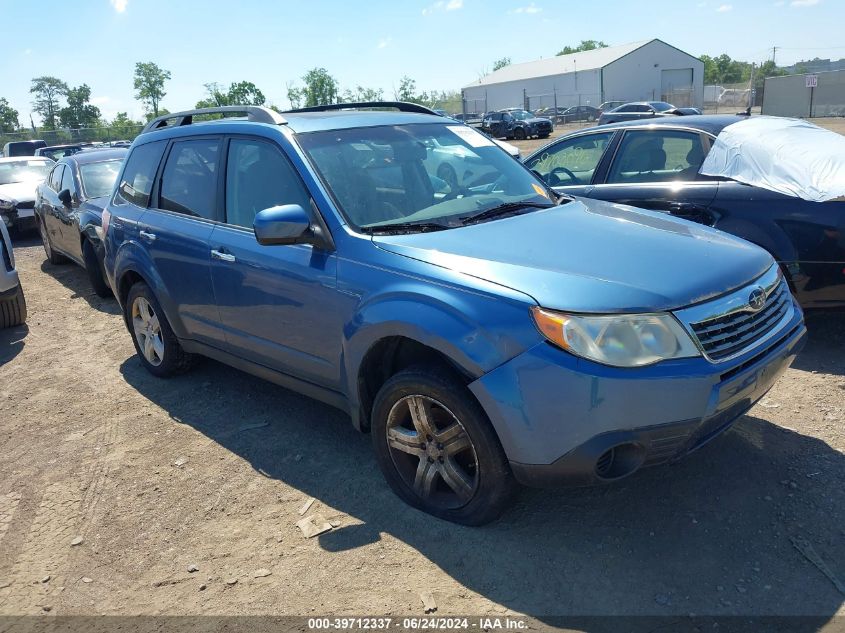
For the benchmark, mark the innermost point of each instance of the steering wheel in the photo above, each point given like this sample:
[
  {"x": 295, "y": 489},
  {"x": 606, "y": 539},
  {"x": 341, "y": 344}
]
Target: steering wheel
[{"x": 562, "y": 170}]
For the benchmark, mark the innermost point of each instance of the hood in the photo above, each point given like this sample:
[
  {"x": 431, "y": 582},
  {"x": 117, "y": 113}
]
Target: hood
[
  {"x": 537, "y": 119},
  {"x": 593, "y": 256},
  {"x": 19, "y": 191}
]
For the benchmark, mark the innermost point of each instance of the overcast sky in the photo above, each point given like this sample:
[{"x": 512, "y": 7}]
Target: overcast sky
[{"x": 443, "y": 44}]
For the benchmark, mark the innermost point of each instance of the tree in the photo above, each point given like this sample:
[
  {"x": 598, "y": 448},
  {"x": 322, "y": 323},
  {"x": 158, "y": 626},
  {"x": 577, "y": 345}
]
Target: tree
[
  {"x": 361, "y": 94},
  {"x": 149, "y": 83},
  {"x": 47, "y": 91},
  {"x": 8, "y": 117},
  {"x": 585, "y": 45},
  {"x": 724, "y": 70},
  {"x": 122, "y": 127},
  {"x": 767, "y": 69},
  {"x": 320, "y": 88},
  {"x": 245, "y": 93},
  {"x": 79, "y": 112},
  {"x": 501, "y": 63},
  {"x": 408, "y": 92}
]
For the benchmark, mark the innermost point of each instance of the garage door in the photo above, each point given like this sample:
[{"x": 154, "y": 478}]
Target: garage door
[{"x": 676, "y": 86}]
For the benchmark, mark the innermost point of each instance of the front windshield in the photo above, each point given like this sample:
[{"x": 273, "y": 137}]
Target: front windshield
[
  {"x": 423, "y": 173},
  {"x": 24, "y": 171},
  {"x": 98, "y": 178},
  {"x": 521, "y": 115}
]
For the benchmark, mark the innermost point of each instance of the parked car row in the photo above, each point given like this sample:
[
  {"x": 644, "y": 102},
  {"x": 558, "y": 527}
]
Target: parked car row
[{"x": 454, "y": 302}]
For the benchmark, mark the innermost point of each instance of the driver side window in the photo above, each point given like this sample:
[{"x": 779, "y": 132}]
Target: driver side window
[{"x": 571, "y": 162}]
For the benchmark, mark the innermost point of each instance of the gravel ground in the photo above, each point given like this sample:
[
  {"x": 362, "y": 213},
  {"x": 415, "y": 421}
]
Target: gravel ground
[{"x": 124, "y": 494}]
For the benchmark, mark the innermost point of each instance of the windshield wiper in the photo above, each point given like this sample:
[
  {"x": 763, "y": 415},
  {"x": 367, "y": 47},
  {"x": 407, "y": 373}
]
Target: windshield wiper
[
  {"x": 405, "y": 227},
  {"x": 503, "y": 209}
]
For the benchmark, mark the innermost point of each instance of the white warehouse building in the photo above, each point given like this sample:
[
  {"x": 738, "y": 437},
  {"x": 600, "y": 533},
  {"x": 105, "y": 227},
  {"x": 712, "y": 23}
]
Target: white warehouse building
[{"x": 651, "y": 70}]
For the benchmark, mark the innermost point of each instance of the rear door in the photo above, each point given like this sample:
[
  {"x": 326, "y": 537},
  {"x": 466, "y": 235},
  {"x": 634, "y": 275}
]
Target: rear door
[
  {"x": 279, "y": 304},
  {"x": 50, "y": 204},
  {"x": 67, "y": 214},
  {"x": 571, "y": 164},
  {"x": 657, "y": 169},
  {"x": 176, "y": 229}
]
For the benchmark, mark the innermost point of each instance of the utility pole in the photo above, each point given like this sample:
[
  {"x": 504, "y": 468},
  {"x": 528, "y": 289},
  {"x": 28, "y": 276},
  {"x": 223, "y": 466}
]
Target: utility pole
[{"x": 774, "y": 54}]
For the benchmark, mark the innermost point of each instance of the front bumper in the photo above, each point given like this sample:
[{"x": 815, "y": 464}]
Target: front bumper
[
  {"x": 561, "y": 418},
  {"x": 20, "y": 219}
]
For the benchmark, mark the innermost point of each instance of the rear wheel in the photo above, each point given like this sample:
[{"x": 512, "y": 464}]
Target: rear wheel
[
  {"x": 52, "y": 256},
  {"x": 437, "y": 449},
  {"x": 156, "y": 344},
  {"x": 94, "y": 268},
  {"x": 13, "y": 309}
]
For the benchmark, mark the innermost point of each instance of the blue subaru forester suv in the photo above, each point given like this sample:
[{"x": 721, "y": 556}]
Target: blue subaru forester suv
[{"x": 485, "y": 331}]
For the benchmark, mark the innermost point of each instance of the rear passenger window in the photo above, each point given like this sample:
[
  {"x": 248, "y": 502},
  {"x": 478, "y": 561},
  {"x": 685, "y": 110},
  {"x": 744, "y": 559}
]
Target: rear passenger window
[
  {"x": 189, "y": 180},
  {"x": 258, "y": 176},
  {"x": 67, "y": 181},
  {"x": 141, "y": 166},
  {"x": 56, "y": 178},
  {"x": 657, "y": 156}
]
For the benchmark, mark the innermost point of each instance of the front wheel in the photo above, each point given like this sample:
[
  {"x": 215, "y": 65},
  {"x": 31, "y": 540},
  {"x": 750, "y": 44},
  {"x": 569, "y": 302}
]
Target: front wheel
[
  {"x": 519, "y": 134},
  {"x": 156, "y": 344},
  {"x": 437, "y": 449}
]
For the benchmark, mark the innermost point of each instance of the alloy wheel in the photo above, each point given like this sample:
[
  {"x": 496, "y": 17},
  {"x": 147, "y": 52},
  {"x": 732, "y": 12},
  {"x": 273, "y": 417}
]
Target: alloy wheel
[
  {"x": 432, "y": 452},
  {"x": 147, "y": 329}
]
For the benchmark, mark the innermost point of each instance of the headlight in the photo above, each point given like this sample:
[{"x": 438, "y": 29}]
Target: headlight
[
  {"x": 623, "y": 340},
  {"x": 6, "y": 205}
]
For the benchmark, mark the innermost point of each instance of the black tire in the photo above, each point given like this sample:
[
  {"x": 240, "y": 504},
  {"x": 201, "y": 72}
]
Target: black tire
[
  {"x": 52, "y": 256},
  {"x": 13, "y": 310},
  {"x": 173, "y": 359},
  {"x": 94, "y": 268},
  {"x": 488, "y": 484},
  {"x": 519, "y": 134}
]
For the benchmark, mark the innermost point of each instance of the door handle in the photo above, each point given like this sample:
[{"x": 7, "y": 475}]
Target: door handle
[
  {"x": 147, "y": 236},
  {"x": 221, "y": 256}
]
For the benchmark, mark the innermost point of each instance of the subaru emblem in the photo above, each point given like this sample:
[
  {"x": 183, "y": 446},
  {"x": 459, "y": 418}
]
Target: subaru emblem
[{"x": 757, "y": 299}]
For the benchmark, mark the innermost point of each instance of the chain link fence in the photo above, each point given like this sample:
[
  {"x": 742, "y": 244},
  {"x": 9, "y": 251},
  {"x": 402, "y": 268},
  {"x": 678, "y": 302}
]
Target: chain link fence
[{"x": 69, "y": 136}]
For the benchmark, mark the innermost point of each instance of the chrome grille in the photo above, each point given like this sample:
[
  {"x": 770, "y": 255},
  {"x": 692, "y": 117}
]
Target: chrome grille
[
  {"x": 729, "y": 326},
  {"x": 729, "y": 335}
]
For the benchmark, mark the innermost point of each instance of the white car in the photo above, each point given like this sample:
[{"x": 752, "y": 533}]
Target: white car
[
  {"x": 19, "y": 176},
  {"x": 459, "y": 165}
]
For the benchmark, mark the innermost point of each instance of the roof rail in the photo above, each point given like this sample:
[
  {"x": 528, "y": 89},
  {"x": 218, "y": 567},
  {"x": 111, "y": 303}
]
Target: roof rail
[
  {"x": 257, "y": 114},
  {"x": 402, "y": 106}
]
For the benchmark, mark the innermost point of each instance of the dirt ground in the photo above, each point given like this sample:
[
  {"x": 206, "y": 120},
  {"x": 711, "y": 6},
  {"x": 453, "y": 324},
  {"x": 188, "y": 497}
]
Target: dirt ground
[{"x": 114, "y": 484}]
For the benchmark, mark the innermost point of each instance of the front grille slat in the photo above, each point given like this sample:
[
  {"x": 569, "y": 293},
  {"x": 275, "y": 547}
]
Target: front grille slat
[
  {"x": 728, "y": 335},
  {"x": 736, "y": 320}
]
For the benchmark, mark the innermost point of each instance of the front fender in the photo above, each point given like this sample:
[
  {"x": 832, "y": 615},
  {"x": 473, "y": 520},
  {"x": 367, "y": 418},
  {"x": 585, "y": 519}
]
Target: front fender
[
  {"x": 476, "y": 332},
  {"x": 132, "y": 258}
]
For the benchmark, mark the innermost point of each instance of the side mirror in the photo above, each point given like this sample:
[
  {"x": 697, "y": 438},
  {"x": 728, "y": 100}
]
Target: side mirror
[
  {"x": 285, "y": 224},
  {"x": 65, "y": 198}
]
